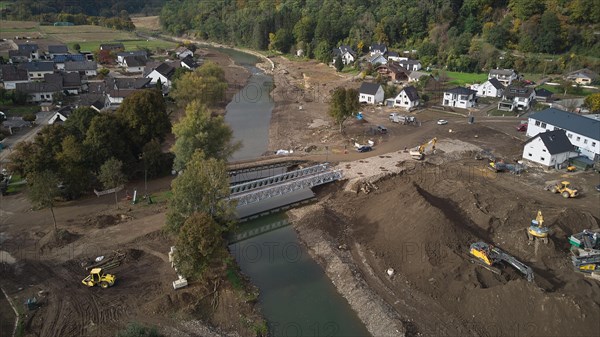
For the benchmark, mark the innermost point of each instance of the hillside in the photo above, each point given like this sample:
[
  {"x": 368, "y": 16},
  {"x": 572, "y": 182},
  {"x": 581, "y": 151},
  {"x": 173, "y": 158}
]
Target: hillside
[{"x": 465, "y": 35}]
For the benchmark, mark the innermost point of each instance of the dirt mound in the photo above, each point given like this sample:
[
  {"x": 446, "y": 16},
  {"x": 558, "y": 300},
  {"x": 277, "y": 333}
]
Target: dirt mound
[
  {"x": 57, "y": 239},
  {"x": 107, "y": 220}
]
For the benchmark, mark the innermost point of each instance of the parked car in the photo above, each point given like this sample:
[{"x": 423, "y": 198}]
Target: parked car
[
  {"x": 442, "y": 122},
  {"x": 381, "y": 129},
  {"x": 364, "y": 148},
  {"x": 522, "y": 127}
]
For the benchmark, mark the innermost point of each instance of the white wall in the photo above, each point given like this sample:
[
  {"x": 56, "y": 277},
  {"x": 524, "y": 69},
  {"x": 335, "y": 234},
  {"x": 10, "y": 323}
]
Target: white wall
[
  {"x": 459, "y": 101},
  {"x": 589, "y": 147},
  {"x": 402, "y": 101},
  {"x": 536, "y": 151}
]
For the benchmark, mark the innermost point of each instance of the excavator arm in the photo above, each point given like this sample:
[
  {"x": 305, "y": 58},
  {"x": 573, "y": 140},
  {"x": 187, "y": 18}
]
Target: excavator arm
[{"x": 520, "y": 266}]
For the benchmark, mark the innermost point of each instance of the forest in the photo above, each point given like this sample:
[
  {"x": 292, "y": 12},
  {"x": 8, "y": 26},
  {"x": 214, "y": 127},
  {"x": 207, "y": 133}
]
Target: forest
[
  {"x": 465, "y": 35},
  {"x": 33, "y": 9}
]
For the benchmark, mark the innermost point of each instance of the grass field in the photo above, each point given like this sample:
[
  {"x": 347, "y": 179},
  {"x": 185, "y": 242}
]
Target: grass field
[
  {"x": 461, "y": 79},
  {"x": 19, "y": 110},
  {"x": 129, "y": 44},
  {"x": 559, "y": 91}
]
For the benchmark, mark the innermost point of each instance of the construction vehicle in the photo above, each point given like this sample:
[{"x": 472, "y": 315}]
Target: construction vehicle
[
  {"x": 402, "y": 119},
  {"x": 564, "y": 188},
  {"x": 585, "y": 247},
  {"x": 419, "y": 152},
  {"x": 98, "y": 277},
  {"x": 490, "y": 256},
  {"x": 571, "y": 168},
  {"x": 537, "y": 230},
  {"x": 501, "y": 166}
]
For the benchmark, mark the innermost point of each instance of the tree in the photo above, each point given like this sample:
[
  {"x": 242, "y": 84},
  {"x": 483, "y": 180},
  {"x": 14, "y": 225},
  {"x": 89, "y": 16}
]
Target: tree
[
  {"x": 199, "y": 85},
  {"x": 323, "y": 52},
  {"x": 73, "y": 169},
  {"x": 43, "y": 190},
  {"x": 77, "y": 47},
  {"x": 339, "y": 64},
  {"x": 79, "y": 121},
  {"x": 200, "y": 246},
  {"x": 105, "y": 138},
  {"x": 344, "y": 104},
  {"x": 111, "y": 175},
  {"x": 199, "y": 130},
  {"x": 549, "y": 34},
  {"x": 593, "y": 102},
  {"x": 202, "y": 187}
]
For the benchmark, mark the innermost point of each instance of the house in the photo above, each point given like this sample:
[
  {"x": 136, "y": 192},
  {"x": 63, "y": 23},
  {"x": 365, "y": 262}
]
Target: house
[
  {"x": 377, "y": 59},
  {"x": 25, "y": 52},
  {"x": 489, "y": 88},
  {"x": 59, "y": 49},
  {"x": 37, "y": 70},
  {"x": 116, "y": 89},
  {"x": 583, "y": 133},
  {"x": 39, "y": 91},
  {"x": 61, "y": 115},
  {"x": 112, "y": 46},
  {"x": 189, "y": 63},
  {"x": 183, "y": 52},
  {"x": 115, "y": 97},
  {"x": 164, "y": 72},
  {"x": 505, "y": 76},
  {"x": 459, "y": 97},
  {"x": 549, "y": 148},
  {"x": 370, "y": 93},
  {"x": 122, "y": 55},
  {"x": 14, "y": 124},
  {"x": 134, "y": 64},
  {"x": 17, "y": 56},
  {"x": 393, "y": 71},
  {"x": 11, "y": 75},
  {"x": 408, "y": 98},
  {"x": 583, "y": 76},
  {"x": 416, "y": 75},
  {"x": 377, "y": 48},
  {"x": 543, "y": 95},
  {"x": 410, "y": 65},
  {"x": 513, "y": 97},
  {"x": 393, "y": 56},
  {"x": 86, "y": 68},
  {"x": 70, "y": 82},
  {"x": 61, "y": 59},
  {"x": 346, "y": 53}
]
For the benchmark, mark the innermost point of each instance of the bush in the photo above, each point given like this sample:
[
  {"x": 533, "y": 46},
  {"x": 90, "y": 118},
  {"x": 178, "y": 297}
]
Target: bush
[
  {"x": 30, "y": 117},
  {"x": 137, "y": 330}
]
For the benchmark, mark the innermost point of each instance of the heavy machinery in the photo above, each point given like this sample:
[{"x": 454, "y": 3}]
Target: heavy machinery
[
  {"x": 419, "y": 152},
  {"x": 98, "y": 277},
  {"x": 490, "y": 256},
  {"x": 501, "y": 166},
  {"x": 537, "y": 230},
  {"x": 564, "y": 188},
  {"x": 585, "y": 247}
]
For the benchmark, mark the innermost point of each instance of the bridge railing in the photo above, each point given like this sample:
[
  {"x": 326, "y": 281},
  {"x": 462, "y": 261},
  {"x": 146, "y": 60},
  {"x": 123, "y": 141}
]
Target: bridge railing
[{"x": 277, "y": 179}]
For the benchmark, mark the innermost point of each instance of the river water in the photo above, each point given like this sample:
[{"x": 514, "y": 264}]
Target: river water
[{"x": 296, "y": 297}]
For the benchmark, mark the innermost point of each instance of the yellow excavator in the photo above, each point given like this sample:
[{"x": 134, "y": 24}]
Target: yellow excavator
[
  {"x": 490, "y": 256},
  {"x": 419, "y": 152},
  {"x": 537, "y": 230},
  {"x": 98, "y": 277}
]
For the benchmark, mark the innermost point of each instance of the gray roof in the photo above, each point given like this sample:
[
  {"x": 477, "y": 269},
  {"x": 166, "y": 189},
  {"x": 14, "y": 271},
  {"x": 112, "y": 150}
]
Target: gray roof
[
  {"x": 189, "y": 61},
  {"x": 393, "y": 54},
  {"x": 412, "y": 93},
  {"x": 28, "y": 47},
  {"x": 58, "y": 49},
  {"x": 515, "y": 91},
  {"x": 369, "y": 88},
  {"x": 127, "y": 82},
  {"x": 494, "y": 82},
  {"x": 541, "y": 92},
  {"x": 165, "y": 69},
  {"x": 375, "y": 57},
  {"x": 461, "y": 91},
  {"x": 37, "y": 87},
  {"x": 417, "y": 74},
  {"x": 133, "y": 53},
  {"x": 81, "y": 65},
  {"x": 39, "y": 66},
  {"x": 344, "y": 49},
  {"x": 409, "y": 62},
  {"x": 67, "y": 80},
  {"x": 135, "y": 61},
  {"x": 503, "y": 72},
  {"x": 380, "y": 47},
  {"x": 585, "y": 72},
  {"x": 13, "y": 73},
  {"x": 569, "y": 121},
  {"x": 555, "y": 141}
]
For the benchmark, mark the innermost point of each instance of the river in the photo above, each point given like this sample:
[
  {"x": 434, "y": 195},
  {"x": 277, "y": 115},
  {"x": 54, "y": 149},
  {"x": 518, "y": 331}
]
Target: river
[{"x": 296, "y": 297}]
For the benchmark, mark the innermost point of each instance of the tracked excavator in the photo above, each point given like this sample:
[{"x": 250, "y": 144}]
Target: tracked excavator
[
  {"x": 537, "y": 230},
  {"x": 419, "y": 152},
  {"x": 489, "y": 257}
]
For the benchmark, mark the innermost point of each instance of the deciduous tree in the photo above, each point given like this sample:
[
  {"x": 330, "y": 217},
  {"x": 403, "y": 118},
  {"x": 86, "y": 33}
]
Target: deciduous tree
[
  {"x": 111, "y": 175},
  {"x": 43, "y": 190},
  {"x": 343, "y": 105}
]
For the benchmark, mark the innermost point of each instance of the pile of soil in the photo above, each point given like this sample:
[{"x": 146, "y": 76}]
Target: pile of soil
[{"x": 57, "y": 239}]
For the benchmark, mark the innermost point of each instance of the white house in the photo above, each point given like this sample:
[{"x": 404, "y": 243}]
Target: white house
[
  {"x": 134, "y": 64},
  {"x": 59, "y": 49},
  {"x": 11, "y": 75},
  {"x": 378, "y": 48},
  {"x": 582, "y": 76},
  {"x": 122, "y": 55},
  {"x": 583, "y": 133},
  {"x": 505, "y": 76},
  {"x": 370, "y": 93},
  {"x": 393, "y": 56},
  {"x": 88, "y": 68},
  {"x": 408, "y": 98},
  {"x": 37, "y": 70},
  {"x": 183, "y": 52},
  {"x": 459, "y": 97},
  {"x": 115, "y": 97},
  {"x": 411, "y": 65},
  {"x": 61, "y": 115},
  {"x": 489, "y": 88},
  {"x": 377, "y": 59},
  {"x": 549, "y": 148},
  {"x": 39, "y": 91},
  {"x": 348, "y": 55},
  {"x": 513, "y": 97},
  {"x": 164, "y": 72}
]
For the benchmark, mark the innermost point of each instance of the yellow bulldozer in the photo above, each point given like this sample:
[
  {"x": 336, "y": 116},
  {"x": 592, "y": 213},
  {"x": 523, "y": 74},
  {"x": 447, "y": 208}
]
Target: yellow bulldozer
[
  {"x": 419, "y": 152},
  {"x": 98, "y": 277},
  {"x": 564, "y": 188}
]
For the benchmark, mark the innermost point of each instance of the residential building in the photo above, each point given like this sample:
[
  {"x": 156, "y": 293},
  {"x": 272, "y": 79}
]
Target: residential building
[
  {"x": 410, "y": 65},
  {"x": 377, "y": 59},
  {"x": 520, "y": 98},
  {"x": 583, "y": 133},
  {"x": 549, "y": 148},
  {"x": 505, "y": 76},
  {"x": 60, "y": 60},
  {"x": 61, "y": 115},
  {"x": 370, "y": 93},
  {"x": 346, "y": 53},
  {"x": 88, "y": 68},
  {"x": 582, "y": 76},
  {"x": 393, "y": 56},
  {"x": 489, "y": 88},
  {"x": 393, "y": 71},
  {"x": 122, "y": 55},
  {"x": 408, "y": 98},
  {"x": 378, "y": 48},
  {"x": 183, "y": 52},
  {"x": 114, "y": 97},
  {"x": 37, "y": 70},
  {"x": 39, "y": 91},
  {"x": 69, "y": 82},
  {"x": 459, "y": 97},
  {"x": 26, "y": 52},
  {"x": 543, "y": 95},
  {"x": 11, "y": 75},
  {"x": 134, "y": 64},
  {"x": 416, "y": 75},
  {"x": 188, "y": 62},
  {"x": 54, "y": 50},
  {"x": 164, "y": 72}
]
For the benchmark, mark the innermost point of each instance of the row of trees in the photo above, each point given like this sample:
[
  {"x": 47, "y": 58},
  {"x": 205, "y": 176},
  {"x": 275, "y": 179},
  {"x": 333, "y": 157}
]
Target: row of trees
[
  {"x": 29, "y": 9},
  {"x": 199, "y": 212},
  {"x": 443, "y": 31}
]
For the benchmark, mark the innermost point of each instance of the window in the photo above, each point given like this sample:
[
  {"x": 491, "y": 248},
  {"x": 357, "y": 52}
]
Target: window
[
  {"x": 537, "y": 123},
  {"x": 570, "y": 135},
  {"x": 593, "y": 144},
  {"x": 543, "y": 125},
  {"x": 544, "y": 150},
  {"x": 530, "y": 155},
  {"x": 578, "y": 138},
  {"x": 585, "y": 141},
  {"x": 542, "y": 158}
]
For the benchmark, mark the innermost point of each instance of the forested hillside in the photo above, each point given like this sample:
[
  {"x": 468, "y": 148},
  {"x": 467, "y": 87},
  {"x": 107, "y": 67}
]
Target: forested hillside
[
  {"x": 31, "y": 9},
  {"x": 466, "y": 35}
]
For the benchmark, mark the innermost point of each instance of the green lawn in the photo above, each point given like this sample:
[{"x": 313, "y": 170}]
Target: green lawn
[
  {"x": 497, "y": 112},
  {"x": 461, "y": 79},
  {"x": 557, "y": 90},
  {"x": 129, "y": 44},
  {"x": 19, "y": 110}
]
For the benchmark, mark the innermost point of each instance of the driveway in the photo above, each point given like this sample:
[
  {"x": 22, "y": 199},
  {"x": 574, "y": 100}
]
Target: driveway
[{"x": 26, "y": 134}]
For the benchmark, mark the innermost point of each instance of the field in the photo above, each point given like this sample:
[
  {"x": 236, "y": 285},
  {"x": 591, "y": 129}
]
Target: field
[
  {"x": 461, "y": 79},
  {"x": 149, "y": 23}
]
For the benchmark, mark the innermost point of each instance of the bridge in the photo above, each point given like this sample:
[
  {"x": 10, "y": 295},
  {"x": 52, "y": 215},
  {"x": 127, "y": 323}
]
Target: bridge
[
  {"x": 252, "y": 232},
  {"x": 281, "y": 184},
  {"x": 244, "y": 172}
]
